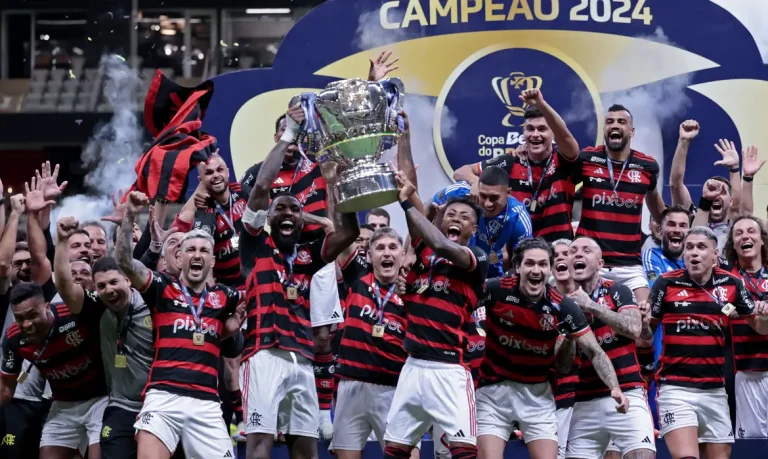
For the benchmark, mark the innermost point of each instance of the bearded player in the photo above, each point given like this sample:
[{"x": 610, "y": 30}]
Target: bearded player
[
  {"x": 524, "y": 318},
  {"x": 617, "y": 322}
]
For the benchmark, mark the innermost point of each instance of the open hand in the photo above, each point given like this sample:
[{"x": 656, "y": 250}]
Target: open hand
[
  {"x": 119, "y": 212},
  {"x": 750, "y": 163},
  {"x": 730, "y": 155},
  {"x": 34, "y": 198},
  {"x": 405, "y": 186},
  {"x": 158, "y": 234},
  {"x": 380, "y": 67},
  {"x": 51, "y": 189}
]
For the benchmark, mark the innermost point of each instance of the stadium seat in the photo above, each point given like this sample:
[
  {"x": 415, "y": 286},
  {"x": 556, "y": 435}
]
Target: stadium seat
[{"x": 40, "y": 75}]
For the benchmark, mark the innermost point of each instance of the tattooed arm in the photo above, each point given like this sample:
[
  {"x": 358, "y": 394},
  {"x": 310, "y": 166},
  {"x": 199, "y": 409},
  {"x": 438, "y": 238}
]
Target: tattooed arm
[
  {"x": 137, "y": 273},
  {"x": 600, "y": 361},
  {"x": 627, "y": 321}
]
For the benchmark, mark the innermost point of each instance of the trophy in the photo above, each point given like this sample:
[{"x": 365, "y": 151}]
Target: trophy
[{"x": 352, "y": 122}]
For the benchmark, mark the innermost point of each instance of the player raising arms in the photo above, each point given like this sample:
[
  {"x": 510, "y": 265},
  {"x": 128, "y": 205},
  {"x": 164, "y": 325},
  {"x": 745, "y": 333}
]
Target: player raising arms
[{"x": 444, "y": 286}]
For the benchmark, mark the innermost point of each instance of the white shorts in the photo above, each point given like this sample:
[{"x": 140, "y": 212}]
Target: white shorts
[
  {"x": 531, "y": 406},
  {"x": 439, "y": 441},
  {"x": 432, "y": 393},
  {"x": 361, "y": 408},
  {"x": 705, "y": 409},
  {"x": 324, "y": 304},
  {"x": 751, "y": 389},
  {"x": 596, "y": 422},
  {"x": 631, "y": 276},
  {"x": 74, "y": 425},
  {"x": 197, "y": 423},
  {"x": 279, "y": 390},
  {"x": 563, "y": 416},
  {"x": 612, "y": 448}
]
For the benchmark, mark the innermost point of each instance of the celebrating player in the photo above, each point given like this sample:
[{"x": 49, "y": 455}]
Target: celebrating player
[
  {"x": 541, "y": 180},
  {"x": 276, "y": 373},
  {"x": 693, "y": 306},
  {"x": 447, "y": 279},
  {"x": 616, "y": 322},
  {"x": 190, "y": 319},
  {"x": 616, "y": 179},
  {"x": 524, "y": 318}
]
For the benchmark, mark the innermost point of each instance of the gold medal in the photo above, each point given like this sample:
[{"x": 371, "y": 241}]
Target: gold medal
[
  {"x": 120, "y": 361},
  {"x": 728, "y": 309},
  {"x": 198, "y": 339},
  {"x": 532, "y": 207},
  {"x": 493, "y": 258},
  {"x": 292, "y": 293},
  {"x": 378, "y": 331},
  {"x": 235, "y": 242},
  {"x": 22, "y": 377},
  {"x": 422, "y": 289}
]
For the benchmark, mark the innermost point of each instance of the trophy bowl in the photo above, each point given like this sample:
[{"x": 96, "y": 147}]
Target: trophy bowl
[{"x": 352, "y": 122}]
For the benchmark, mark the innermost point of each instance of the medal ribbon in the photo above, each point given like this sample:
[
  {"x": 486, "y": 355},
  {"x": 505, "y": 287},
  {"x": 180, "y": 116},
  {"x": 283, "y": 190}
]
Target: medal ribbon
[
  {"x": 433, "y": 261},
  {"x": 382, "y": 303},
  {"x": 541, "y": 179},
  {"x": 196, "y": 309},
  {"x": 42, "y": 349},
  {"x": 291, "y": 260},
  {"x": 124, "y": 327},
  {"x": 709, "y": 294},
  {"x": 748, "y": 279},
  {"x": 615, "y": 184},
  {"x": 492, "y": 240},
  {"x": 230, "y": 220}
]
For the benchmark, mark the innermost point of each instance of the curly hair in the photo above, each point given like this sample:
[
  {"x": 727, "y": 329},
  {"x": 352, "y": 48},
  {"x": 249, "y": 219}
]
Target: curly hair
[{"x": 729, "y": 251}]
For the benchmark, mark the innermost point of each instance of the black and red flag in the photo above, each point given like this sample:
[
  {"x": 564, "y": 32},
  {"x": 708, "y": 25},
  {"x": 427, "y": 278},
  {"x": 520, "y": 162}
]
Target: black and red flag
[{"x": 174, "y": 115}]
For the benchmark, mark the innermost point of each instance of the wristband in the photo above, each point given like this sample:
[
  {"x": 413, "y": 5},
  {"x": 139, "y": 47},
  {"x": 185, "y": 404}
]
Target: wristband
[
  {"x": 705, "y": 204},
  {"x": 746, "y": 178},
  {"x": 406, "y": 205},
  {"x": 735, "y": 169}
]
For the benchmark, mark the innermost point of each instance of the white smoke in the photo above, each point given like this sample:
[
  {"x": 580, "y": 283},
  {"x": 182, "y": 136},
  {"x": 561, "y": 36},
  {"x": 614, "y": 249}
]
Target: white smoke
[
  {"x": 653, "y": 106},
  {"x": 110, "y": 155},
  {"x": 754, "y": 16},
  {"x": 421, "y": 115}
]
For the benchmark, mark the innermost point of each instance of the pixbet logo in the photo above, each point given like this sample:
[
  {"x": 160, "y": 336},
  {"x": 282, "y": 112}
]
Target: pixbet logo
[
  {"x": 514, "y": 343},
  {"x": 187, "y": 324},
  {"x": 691, "y": 324},
  {"x": 606, "y": 199},
  {"x": 393, "y": 325}
]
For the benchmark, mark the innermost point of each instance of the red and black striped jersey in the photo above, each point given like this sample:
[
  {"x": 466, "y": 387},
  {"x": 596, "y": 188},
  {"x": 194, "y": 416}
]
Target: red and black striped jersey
[
  {"x": 363, "y": 356},
  {"x": 521, "y": 334},
  {"x": 646, "y": 361},
  {"x": 227, "y": 267},
  {"x": 619, "y": 348},
  {"x": 180, "y": 366},
  {"x": 70, "y": 358},
  {"x": 437, "y": 317},
  {"x": 475, "y": 351},
  {"x": 564, "y": 386},
  {"x": 614, "y": 221},
  {"x": 750, "y": 348},
  {"x": 274, "y": 320},
  {"x": 306, "y": 183},
  {"x": 552, "y": 217},
  {"x": 695, "y": 326}
]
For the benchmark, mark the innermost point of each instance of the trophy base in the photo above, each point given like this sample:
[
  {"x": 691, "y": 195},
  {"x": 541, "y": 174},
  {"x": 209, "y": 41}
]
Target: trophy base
[{"x": 365, "y": 187}]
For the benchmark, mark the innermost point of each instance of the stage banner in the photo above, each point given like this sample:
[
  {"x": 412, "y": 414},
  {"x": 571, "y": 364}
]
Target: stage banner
[{"x": 465, "y": 62}]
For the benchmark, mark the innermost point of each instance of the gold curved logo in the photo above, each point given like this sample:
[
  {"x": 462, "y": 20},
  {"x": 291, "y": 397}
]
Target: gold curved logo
[{"x": 507, "y": 89}]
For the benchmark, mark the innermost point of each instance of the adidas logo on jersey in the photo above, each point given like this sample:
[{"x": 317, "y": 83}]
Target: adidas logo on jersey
[
  {"x": 599, "y": 171},
  {"x": 279, "y": 180},
  {"x": 682, "y": 293}
]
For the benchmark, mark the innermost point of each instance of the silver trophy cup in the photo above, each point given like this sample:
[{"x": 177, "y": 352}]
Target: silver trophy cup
[{"x": 353, "y": 123}]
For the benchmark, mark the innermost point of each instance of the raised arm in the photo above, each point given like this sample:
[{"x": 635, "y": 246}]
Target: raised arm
[
  {"x": 8, "y": 241},
  {"x": 380, "y": 67},
  {"x": 40, "y": 268},
  {"x": 627, "y": 321},
  {"x": 566, "y": 142},
  {"x": 259, "y": 197},
  {"x": 138, "y": 274},
  {"x": 751, "y": 165},
  {"x": 419, "y": 226},
  {"x": 71, "y": 293},
  {"x": 709, "y": 192},
  {"x": 689, "y": 129},
  {"x": 603, "y": 367},
  {"x": 731, "y": 161},
  {"x": 346, "y": 230}
]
